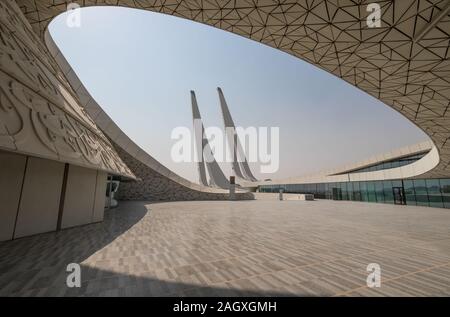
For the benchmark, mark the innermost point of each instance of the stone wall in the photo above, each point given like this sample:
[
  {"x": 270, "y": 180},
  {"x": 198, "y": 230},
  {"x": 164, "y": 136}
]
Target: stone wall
[
  {"x": 153, "y": 186},
  {"x": 40, "y": 114}
]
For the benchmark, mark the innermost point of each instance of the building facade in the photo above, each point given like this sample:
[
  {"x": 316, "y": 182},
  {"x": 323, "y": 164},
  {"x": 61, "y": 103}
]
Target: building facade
[
  {"x": 415, "y": 192},
  {"x": 379, "y": 181}
]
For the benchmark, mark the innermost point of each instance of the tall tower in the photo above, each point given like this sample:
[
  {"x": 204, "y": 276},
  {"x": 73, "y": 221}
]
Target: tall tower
[
  {"x": 240, "y": 167},
  {"x": 216, "y": 176},
  {"x": 198, "y": 145}
]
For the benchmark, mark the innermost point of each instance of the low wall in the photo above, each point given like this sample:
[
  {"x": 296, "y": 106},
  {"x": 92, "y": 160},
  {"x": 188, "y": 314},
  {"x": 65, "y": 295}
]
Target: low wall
[
  {"x": 153, "y": 186},
  {"x": 276, "y": 196}
]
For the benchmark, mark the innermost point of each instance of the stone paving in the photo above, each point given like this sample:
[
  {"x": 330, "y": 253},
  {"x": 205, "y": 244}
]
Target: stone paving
[{"x": 252, "y": 248}]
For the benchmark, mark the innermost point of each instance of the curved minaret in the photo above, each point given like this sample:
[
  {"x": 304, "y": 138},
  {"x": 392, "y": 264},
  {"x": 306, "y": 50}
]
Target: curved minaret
[
  {"x": 241, "y": 169},
  {"x": 198, "y": 145},
  {"x": 216, "y": 176}
]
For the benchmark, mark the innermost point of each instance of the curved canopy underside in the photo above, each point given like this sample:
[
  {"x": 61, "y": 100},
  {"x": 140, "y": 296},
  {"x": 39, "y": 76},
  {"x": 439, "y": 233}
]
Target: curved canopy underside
[{"x": 404, "y": 63}]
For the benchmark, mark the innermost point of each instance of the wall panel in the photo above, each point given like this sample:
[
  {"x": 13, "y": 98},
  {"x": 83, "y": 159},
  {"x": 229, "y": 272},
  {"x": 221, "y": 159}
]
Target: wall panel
[
  {"x": 80, "y": 196},
  {"x": 12, "y": 168},
  {"x": 100, "y": 196},
  {"x": 39, "y": 204}
]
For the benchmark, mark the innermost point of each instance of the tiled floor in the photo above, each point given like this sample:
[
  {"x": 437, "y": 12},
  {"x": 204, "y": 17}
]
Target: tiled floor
[{"x": 239, "y": 248}]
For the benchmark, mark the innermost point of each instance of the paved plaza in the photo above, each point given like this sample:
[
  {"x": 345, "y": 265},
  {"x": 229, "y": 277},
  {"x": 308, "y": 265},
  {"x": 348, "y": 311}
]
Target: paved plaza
[{"x": 253, "y": 248}]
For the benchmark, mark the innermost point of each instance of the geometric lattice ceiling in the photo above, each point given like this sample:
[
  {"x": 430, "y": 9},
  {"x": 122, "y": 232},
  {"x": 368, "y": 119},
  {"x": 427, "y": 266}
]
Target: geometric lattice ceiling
[{"x": 404, "y": 63}]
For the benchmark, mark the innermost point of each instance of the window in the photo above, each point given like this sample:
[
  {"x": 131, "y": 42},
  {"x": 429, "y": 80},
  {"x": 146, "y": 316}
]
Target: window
[
  {"x": 337, "y": 192},
  {"x": 371, "y": 192},
  {"x": 363, "y": 191},
  {"x": 313, "y": 188},
  {"x": 327, "y": 190},
  {"x": 350, "y": 190},
  {"x": 389, "y": 164},
  {"x": 379, "y": 191},
  {"x": 356, "y": 191},
  {"x": 321, "y": 191},
  {"x": 421, "y": 192},
  {"x": 445, "y": 190},
  {"x": 344, "y": 191},
  {"x": 388, "y": 193},
  {"x": 434, "y": 193},
  {"x": 399, "y": 163},
  {"x": 410, "y": 193}
]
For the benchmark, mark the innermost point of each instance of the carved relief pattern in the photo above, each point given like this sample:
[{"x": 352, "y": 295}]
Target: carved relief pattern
[{"x": 39, "y": 113}]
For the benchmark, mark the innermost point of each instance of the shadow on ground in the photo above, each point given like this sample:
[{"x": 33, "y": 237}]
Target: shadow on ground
[{"x": 36, "y": 266}]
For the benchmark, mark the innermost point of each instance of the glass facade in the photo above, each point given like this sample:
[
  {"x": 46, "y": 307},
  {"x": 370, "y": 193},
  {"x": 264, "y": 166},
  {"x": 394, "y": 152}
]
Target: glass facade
[
  {"x": 417, "y": 192},
  {"x": 388, "y": 164}
]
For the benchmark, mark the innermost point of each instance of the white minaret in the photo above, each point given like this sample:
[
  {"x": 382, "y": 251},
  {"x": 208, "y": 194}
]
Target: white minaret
[
  {"x": 216, "y": 176},
  {"x": 240, "y": 168}
]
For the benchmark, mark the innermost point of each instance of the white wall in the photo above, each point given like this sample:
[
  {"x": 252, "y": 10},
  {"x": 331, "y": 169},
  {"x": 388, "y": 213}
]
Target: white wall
[
  {"x": 39, "y": 204},
  {"x": 31, "y": 190},
  {"x": 80, "y": 196}
]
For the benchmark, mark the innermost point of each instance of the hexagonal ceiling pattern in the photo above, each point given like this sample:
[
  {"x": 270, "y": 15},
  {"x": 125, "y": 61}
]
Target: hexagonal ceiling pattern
[{"x": 404, "y": 62}]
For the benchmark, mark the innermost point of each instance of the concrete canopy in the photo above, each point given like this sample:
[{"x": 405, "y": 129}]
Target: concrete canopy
[{"x": 404, "y": 63}]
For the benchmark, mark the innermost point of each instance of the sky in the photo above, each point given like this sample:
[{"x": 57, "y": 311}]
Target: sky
[{"x": 141, "y": 66}]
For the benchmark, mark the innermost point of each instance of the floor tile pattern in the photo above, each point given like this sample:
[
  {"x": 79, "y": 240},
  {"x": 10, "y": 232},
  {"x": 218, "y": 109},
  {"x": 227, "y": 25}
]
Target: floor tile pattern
[{"x": 261, "y": 248}]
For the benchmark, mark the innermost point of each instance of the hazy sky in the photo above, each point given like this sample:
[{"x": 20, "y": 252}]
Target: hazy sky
[{"x": 140, "y": 67}]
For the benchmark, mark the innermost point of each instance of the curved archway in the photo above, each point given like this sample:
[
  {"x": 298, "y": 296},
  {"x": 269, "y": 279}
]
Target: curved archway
[
  {"x": 403, "y": 63},
  {"x": 107, "y": 124}
]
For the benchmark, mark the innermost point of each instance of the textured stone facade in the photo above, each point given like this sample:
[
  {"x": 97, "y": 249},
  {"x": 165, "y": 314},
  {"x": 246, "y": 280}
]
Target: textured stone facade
[
  {"x": 155, "y": 187},
  {"x": 40, "y": 114}
]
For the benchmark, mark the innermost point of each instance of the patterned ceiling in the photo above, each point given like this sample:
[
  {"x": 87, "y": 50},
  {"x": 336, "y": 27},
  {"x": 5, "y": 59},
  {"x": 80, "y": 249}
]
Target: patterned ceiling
[{"x": 404, "y": 62}]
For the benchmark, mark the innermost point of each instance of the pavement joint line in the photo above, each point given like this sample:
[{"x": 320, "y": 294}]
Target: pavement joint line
[
  {"x": 394, "y": 278},
  {"x": 293, "y": 268},
  {"x": 309, "y": 265}
]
